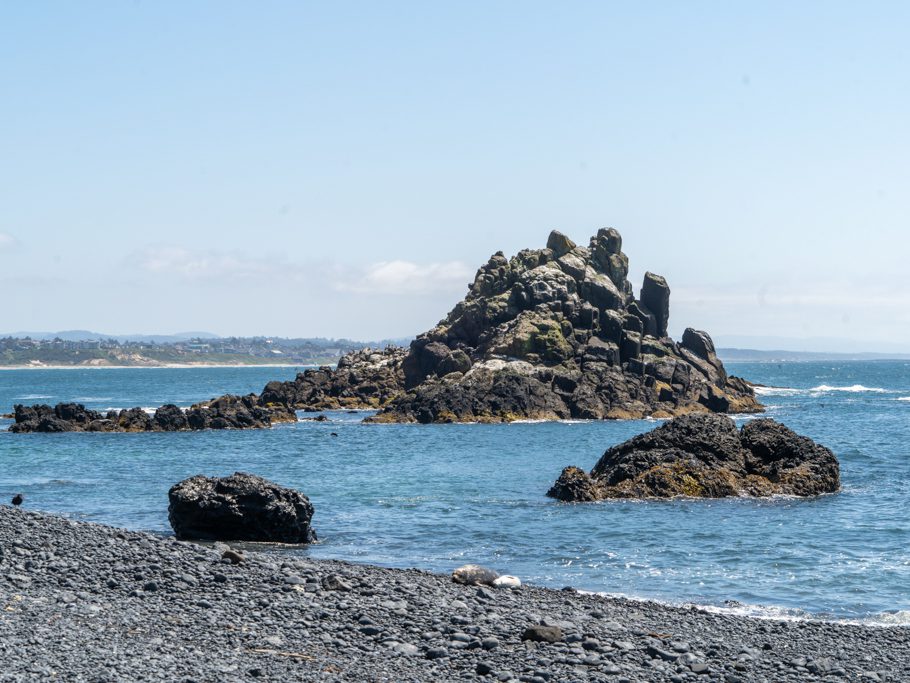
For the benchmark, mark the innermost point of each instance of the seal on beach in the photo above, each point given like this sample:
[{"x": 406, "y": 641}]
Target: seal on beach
[
  {"x": 507, "y": 581},
  {"x": 17, "y": 499},
  {"x": 474, "y": 575}
]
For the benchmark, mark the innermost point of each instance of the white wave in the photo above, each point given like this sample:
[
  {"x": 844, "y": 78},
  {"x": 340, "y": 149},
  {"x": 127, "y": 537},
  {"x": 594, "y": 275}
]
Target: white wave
[
  {"x": 770, "y": 612},
  {"x": 145, "y": 409},
  {"x": 896, "y": 618},
  {"x": 32, "y": 397},
  {"x": 777, "y": 391},
  {"x": 904, "y": 398},
  {"x": 853, "y": 389},
  {"x": 542, "y": 421}
]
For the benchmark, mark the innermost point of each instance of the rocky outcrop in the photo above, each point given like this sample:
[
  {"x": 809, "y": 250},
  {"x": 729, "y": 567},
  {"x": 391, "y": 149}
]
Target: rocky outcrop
[
  {"x": 548, "y": 334},
  {"x": 362, "y": 380},
  {"x": 241, "y": 507},
  {"x": 706, "y": 456},
  {"x": 226, "y": 412},
  {"x": 557, "y": 333}
]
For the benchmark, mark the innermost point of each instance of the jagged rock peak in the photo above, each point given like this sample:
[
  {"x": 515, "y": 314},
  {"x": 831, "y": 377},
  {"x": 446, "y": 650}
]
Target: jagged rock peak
[{"x": 564, "y": 317}]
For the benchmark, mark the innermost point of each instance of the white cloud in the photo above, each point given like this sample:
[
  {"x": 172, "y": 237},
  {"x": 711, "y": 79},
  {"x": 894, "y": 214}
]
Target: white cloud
[
  {"x": 384, "y": 277},
  {"x": 201, "y": 265},
  {"x": 406, "y": 277},
  {"x": 7, "y": 242}
]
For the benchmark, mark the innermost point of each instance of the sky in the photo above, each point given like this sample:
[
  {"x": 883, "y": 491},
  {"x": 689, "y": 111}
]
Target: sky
[{"x": 342, "y": 169}]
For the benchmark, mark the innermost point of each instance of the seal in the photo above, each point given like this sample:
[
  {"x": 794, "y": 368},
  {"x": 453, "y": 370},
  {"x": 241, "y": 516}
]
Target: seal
[
  {"x": 474, "y": 575},
  {"x": 507, "y": 581}
]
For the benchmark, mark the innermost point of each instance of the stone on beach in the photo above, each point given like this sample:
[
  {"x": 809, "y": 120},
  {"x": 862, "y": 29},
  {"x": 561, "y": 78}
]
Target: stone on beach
[{"x": 89, "y": 602}]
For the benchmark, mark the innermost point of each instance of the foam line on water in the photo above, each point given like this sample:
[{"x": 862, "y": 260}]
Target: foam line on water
[
  {"x": 772, "y": 612},
  {"x": 853, "y": 389},
  {"x": 777, "y": 391}
]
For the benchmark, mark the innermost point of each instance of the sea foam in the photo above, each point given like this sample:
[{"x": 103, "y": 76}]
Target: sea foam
[
  {"x": 853, "y": 389},
  {"x": 776, "y": 391}
]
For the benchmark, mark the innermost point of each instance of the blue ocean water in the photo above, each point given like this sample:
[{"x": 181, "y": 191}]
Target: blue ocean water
[{"x": 436, "y": 496}]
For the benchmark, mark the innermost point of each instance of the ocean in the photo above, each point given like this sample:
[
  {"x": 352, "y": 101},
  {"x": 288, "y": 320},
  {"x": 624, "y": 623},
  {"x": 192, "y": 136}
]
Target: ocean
[{"x": 438, "y": 496}]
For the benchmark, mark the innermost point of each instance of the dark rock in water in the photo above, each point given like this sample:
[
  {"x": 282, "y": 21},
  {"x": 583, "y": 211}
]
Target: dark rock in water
[
  {"x": 237, "y": 412},
  {"x": 43, "y": 418},
  {"x": 226, "y": 412},
  {"x": 241, "y": 507},
  {"x": 706, "y": 456},
  {"x": 169, "y": 418},
  {"x": 362, "y": 379},
  {"x": 576, "y": 485},
  {"x": 17, "y": 499},
  {"x": 797, "y": 464},
  {"x": 557, "y": 333},
  {"x": 134, "y": 420}
]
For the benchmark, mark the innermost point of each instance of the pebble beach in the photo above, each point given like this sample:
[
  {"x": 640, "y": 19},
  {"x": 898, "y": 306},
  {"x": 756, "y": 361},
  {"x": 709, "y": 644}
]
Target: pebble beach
[{"x": 86, "y": 602}]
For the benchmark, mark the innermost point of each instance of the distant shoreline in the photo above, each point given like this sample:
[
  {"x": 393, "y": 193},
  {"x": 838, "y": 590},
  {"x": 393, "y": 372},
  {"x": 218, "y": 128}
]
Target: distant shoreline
[{"x": 163, "y": 366}]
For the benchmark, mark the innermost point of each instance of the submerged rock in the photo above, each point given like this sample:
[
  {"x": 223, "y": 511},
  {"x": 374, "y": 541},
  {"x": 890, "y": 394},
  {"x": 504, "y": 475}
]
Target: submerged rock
[
  {"x": 241, "y": 507},
  {"x": 706, "y": 456}
]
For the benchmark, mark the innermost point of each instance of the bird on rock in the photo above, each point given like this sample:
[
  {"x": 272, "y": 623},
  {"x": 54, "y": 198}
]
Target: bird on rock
[{"x": 17, "y": 499}]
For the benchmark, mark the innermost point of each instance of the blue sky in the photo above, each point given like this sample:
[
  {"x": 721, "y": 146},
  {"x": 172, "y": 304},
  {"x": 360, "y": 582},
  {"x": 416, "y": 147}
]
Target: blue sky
[{"x": 341, "y": 169}]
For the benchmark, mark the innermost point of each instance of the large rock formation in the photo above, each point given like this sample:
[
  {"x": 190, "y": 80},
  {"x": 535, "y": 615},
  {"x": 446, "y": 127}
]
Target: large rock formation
[
  {"x": 226, "y": 412},
  {"x": 241, "y": 507},
  {"x": 706, "y": 456},
  {"x": 549, "y": 334},
  {"x": 557, "y": 333}
]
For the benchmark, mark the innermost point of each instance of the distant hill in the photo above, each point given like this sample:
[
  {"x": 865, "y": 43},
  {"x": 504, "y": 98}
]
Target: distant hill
[
  {"x": 85, "y": 348},
  {"x": 86, "y": 335},
  {"x": 758, "y": 355}
]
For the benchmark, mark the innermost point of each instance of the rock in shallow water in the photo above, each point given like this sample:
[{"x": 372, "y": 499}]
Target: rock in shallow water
[
  {"x": 226, "y": 412},
  {"x": 239, "y": 507},
  {"x": 706, "y": 456}
]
